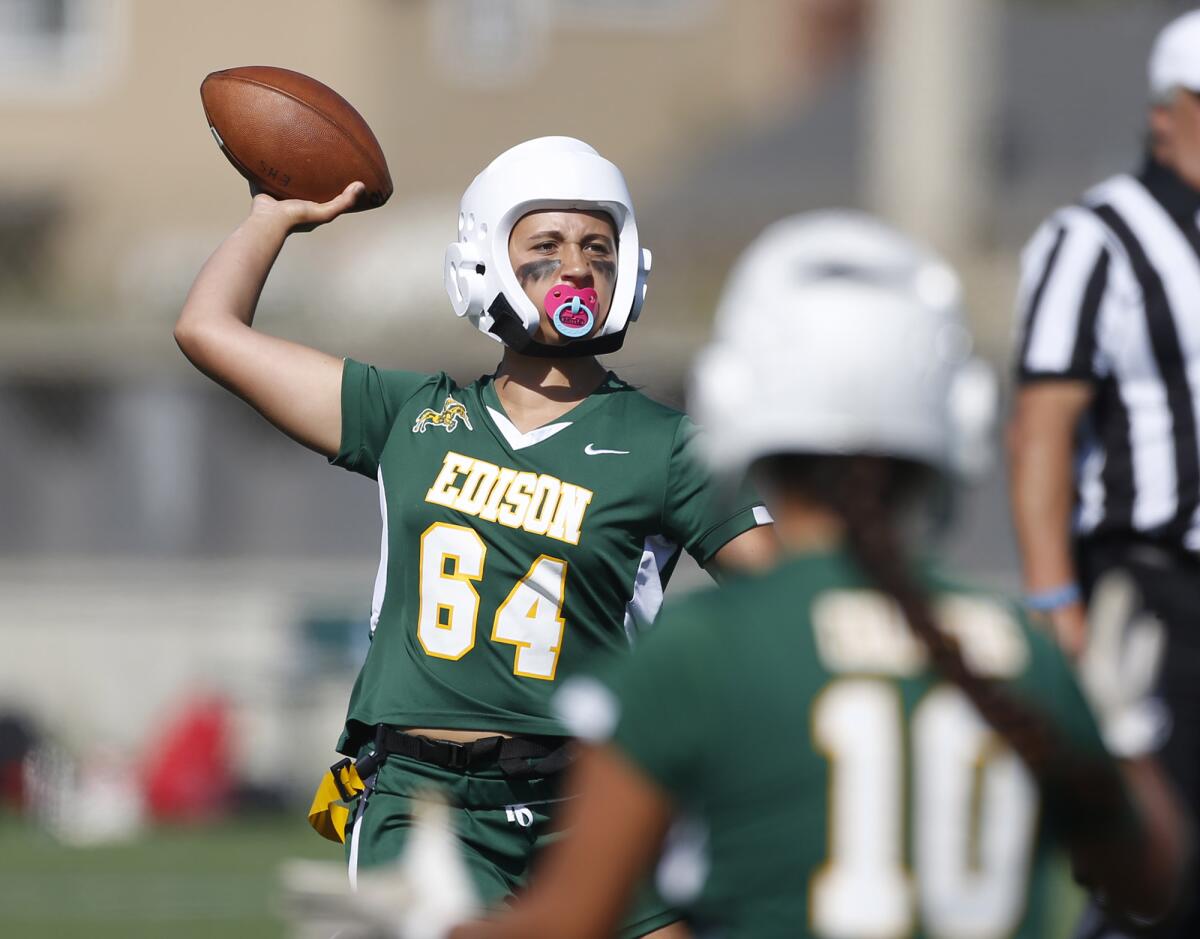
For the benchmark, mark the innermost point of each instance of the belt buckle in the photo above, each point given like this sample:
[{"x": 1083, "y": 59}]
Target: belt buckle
[
  {"x": 336, "y": 770},
  {"x": 459, "y": 755}
]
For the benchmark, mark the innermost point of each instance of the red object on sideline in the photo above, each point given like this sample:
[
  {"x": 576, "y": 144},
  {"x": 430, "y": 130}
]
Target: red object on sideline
[{"x": 188, "y": 773}]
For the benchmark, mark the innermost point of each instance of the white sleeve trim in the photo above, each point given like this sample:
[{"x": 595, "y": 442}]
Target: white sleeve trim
[
  {"x": 657, "y": 553},
  {"x": 381, "y": 574}
]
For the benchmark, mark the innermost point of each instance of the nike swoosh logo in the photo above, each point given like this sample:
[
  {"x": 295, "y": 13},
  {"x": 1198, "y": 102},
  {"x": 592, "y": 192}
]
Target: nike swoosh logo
[{"x": 592, "y": 451}]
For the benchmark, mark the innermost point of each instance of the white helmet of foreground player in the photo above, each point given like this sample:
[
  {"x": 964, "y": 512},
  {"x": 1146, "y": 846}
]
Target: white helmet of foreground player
[
  {"x": 553, "y": 173},
  {"x": 838, "y": 335}
]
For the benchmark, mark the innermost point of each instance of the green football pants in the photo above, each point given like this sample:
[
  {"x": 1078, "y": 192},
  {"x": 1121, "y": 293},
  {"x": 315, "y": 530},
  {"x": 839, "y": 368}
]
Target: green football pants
[{"x": 502, "y": 822}]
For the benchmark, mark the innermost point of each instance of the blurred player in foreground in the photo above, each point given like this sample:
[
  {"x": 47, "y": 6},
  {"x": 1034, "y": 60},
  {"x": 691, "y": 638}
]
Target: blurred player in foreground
[
  {"x": 860, "y": 746},
  {"x": 531, "y": 519}
]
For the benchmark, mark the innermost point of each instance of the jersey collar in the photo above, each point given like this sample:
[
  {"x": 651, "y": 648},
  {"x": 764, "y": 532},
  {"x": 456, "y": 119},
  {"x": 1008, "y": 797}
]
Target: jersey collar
[
  {"x": 519, "y": 441},
  {"x": 1176, "y": 196},
  {"x": 514, "y": 438}
]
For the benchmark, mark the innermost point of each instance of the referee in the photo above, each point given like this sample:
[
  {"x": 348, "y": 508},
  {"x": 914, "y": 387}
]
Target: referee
[{"x": 1104, "y": 441}]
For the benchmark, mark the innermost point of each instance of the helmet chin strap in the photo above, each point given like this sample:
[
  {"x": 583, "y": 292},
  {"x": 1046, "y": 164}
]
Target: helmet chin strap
[{"x": 509, "y": 329}]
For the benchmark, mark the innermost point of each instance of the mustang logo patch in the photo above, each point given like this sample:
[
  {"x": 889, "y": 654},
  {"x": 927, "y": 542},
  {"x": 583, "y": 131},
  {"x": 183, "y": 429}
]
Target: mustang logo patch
[{"x": 452, "y": 412}]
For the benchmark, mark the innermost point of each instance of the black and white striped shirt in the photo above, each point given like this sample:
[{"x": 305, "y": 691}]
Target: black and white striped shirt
[{"x": 1110, "y": 294}]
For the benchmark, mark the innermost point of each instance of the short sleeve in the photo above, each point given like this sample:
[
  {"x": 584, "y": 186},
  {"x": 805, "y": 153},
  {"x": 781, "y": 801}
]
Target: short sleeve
[
  {"x": 371, "y": 400},
  {"x": 696, "y": 513},
  {"x": 1064, "y": 285},
  {"x": 647, "y": 704}
]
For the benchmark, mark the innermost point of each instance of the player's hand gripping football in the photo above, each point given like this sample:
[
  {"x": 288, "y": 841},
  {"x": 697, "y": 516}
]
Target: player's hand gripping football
[
  {"x": 301, "y": 216},
  {"x": 1119, "y": 666}
]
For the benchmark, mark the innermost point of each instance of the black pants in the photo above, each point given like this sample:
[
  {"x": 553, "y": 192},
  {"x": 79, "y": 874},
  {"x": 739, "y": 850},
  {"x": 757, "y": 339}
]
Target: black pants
[{"x": 1169, "y": 582}]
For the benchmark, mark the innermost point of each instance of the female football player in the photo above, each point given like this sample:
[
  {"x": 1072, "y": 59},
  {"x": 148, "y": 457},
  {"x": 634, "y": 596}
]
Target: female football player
[
  {"x": 858, "y": 746},
  {"x": 531, "y": 519}
]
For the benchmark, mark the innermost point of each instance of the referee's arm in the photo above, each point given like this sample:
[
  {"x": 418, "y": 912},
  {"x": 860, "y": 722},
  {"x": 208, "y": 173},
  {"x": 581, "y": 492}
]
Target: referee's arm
[
  {"x": 1063, "y": 278},
  {"x": 1042, "y": 491}
]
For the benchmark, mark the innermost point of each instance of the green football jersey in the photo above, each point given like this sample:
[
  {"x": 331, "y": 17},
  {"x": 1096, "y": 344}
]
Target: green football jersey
[
  {"x": 834, "y": 786},
  {"x": 509, "y": 559}
]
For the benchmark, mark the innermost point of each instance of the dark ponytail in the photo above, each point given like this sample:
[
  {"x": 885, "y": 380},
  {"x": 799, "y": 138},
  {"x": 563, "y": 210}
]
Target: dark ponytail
[
  {"x": 868, "y": 494},
  {"x": 866, "y": 497}
]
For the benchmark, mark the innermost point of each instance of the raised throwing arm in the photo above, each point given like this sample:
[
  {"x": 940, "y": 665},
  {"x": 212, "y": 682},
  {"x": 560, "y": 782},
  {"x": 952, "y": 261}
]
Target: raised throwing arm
[{"x": 296, "y": 388}]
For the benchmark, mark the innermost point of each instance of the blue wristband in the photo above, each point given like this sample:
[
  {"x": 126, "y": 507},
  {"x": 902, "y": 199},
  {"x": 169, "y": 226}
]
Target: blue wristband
[{"x": 1046, "y": 601}]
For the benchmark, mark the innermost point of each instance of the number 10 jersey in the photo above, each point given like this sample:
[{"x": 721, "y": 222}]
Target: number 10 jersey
[{"x": 837, "y": 785}]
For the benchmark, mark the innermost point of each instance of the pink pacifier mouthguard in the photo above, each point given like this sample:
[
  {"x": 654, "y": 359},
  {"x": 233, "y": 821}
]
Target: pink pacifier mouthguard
[{"x": 571, "y": 309}]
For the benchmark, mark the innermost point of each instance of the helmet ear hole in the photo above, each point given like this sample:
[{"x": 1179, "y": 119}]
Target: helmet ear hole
[
  {"x": 455, "y": 283},
  {"x": 463, "y": 276}
]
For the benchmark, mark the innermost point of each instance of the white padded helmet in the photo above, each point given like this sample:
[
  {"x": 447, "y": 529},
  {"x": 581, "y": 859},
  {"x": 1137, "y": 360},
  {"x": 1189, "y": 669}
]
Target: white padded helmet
[
  {"x": 838, "y": 335},
  {"x": 545, "y": 173}
]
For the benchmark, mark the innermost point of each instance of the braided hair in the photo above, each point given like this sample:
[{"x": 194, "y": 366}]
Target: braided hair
[{"x": 868, "y": 493}]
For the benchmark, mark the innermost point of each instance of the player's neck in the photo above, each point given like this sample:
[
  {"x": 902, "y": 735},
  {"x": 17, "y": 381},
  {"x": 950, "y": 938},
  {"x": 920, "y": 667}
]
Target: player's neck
[
  {"x": 803, "y": 527},
  {"x": 536, "y": 391}
]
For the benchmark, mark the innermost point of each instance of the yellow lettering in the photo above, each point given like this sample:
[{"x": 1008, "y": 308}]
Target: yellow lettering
[
  {"x": 443, "y": 491},
  {"x": 476, "y": 487},
  {"x": 568, "y": 518},
  {"x": 863, "y": 631},
  {"x": 492, "y": 506},
  {"x": 542, "y": 505},
  {"x": 516, "y": 500}
]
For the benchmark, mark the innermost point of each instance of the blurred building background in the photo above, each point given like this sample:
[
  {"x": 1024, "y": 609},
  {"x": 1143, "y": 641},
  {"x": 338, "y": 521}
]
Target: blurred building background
[{"x": 158, "y": 538}]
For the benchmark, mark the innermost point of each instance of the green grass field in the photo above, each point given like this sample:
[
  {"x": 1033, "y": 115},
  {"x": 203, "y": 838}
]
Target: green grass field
[
  {"x": 190, "y": 883},
  {"x": 216, "y": 880}
]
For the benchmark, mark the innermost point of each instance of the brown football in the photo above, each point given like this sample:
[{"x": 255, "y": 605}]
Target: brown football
[{"x": 293, "y": 137}]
